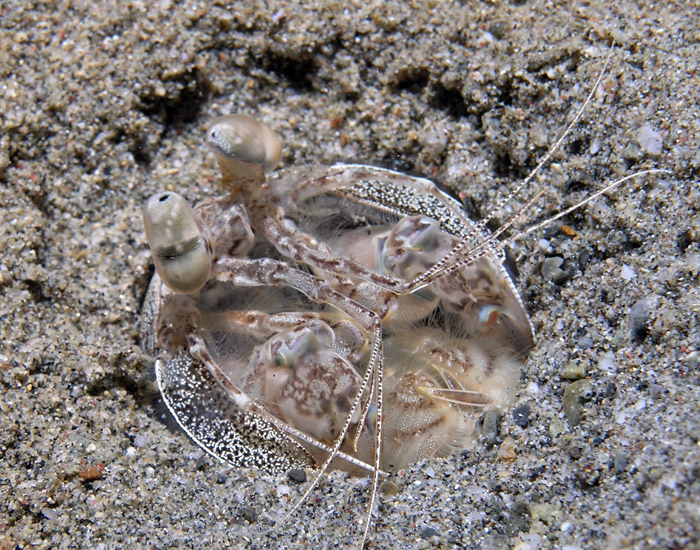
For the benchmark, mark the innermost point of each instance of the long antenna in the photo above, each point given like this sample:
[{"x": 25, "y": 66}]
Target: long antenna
[{"x": 556, "y": 145}]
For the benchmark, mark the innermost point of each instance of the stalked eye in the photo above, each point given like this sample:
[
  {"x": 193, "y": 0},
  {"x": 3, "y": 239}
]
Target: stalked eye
[
  {"x": 242, "y": 145},
  {"x": 181, "y": 252}
]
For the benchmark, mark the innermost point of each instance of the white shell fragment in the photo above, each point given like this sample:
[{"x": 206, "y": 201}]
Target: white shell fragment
[
  {"x": 181, "y": 252},
  {"x": 650, "y": 141}
]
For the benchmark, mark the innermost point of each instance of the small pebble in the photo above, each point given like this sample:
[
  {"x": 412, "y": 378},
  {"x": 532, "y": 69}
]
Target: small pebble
[
  {"x": 574, "y": 396},
  {"x": 649, "y": 140},
  {"x": 607, "y": 363},
  {"x": 297, "y": 475},
  {"x": 587, "y": 474},
  {"x": 518, "y": 519},
  {"x": 683, "y": 240},
  {"x": 633, "y": 152},
  {"x": 429, "y": 532},
  {"x": 556, "y": 427},
  {"x": 639, "y": 320},
  {"x": 506, "y": 451},
  {"x": 619, "y": 463},
  {"x": 568, "y": 231},
  {"x": 627, "y": 273},
  {"x": 248, "y": 514},
  {"x": 693, "y": 360},
  {"x": 91, "y": 473},
  {"x": 489, "y": 425},
  {"x": 521, "y": 416},
  {"x": 434, "y": 140},
  {"x": 610, "y": 390},
  {"x": 584, "y": 258},
  {"x": 498, "y": 28},
  {"x": 551, "y": 270},
  {"x": 575, "y": 450},
  {"x": 585, "y": 342},
  {"x": 574, "y": 370}
]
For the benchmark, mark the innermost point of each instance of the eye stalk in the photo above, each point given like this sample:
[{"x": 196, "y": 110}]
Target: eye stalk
[
  {"x": 181, "y": 252},
  {"x": 244, "y": 147}
]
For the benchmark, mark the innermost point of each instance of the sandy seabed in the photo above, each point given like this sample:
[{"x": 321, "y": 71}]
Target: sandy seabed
[{"x": 102, "y": 104}]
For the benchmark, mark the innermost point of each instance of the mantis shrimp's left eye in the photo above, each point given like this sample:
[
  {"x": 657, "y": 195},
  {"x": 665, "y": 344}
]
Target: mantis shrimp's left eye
[
  {"x": 243, "y": 145},
  {"x": 181, "y": 252}
]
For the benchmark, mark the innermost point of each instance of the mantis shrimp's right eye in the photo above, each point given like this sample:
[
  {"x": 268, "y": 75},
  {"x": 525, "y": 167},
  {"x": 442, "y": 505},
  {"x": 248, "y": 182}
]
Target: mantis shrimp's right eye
[{"x": 181, "y": 252}]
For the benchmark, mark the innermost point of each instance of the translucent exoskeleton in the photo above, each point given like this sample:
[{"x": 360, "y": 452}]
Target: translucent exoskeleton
[{"x": 333, "y": 316}]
